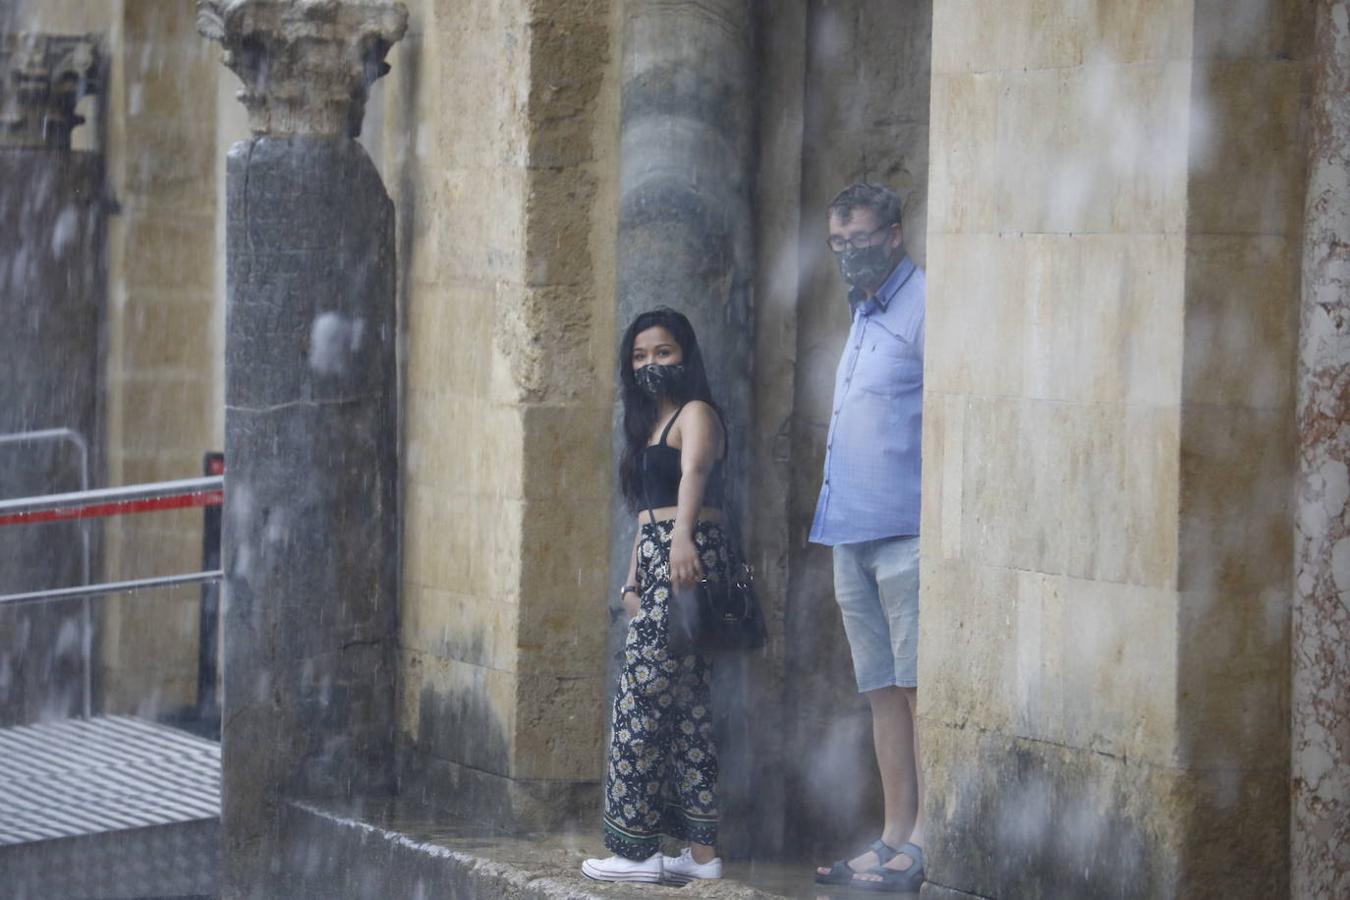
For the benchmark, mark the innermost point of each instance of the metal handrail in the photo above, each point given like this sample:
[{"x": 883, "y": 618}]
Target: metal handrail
[
  {"x": 60, "y": 507},
  {"x": 87, "y": 504},
  {"x": 114, "y": 587}
]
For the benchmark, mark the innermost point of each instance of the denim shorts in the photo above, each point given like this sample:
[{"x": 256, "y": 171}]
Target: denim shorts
[{"x": 877, "y": 586}]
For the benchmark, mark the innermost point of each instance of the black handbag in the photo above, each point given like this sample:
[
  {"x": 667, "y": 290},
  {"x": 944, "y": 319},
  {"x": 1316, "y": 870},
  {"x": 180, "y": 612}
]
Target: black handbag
[{"x": 717, "y": 615}]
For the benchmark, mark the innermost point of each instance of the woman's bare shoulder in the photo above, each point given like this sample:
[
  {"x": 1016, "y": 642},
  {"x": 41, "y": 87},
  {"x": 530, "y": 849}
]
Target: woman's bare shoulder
[
  {"x": 702, "y": 415},
  {"x": 699, "y": 417},
  {"x": 703, "y": 410}
]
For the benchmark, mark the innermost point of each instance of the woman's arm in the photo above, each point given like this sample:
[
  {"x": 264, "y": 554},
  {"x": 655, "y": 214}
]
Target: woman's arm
[
  {"x": 700, "y": 445},
  {"x": 632, "y": 600}
]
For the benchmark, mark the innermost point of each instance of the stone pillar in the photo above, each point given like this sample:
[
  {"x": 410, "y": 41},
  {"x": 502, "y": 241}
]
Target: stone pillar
[
  {"x": 311, "y": 530},
  {"x": 1109, "y": 455},
  {"x": 1320, "y": 856},
  {"x": 686, "y": 239},
  {"x": 51, "y": 310}
]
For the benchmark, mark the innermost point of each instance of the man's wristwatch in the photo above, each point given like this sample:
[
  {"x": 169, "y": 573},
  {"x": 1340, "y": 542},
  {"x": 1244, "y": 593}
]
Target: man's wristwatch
[{"x": 626, "y": 590}]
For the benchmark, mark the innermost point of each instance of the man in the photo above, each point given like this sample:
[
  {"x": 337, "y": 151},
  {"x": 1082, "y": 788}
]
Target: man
[{"x": 868, "y": 512}]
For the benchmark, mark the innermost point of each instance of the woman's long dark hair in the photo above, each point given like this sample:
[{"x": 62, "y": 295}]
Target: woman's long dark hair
[{"x": 640, "y": 410}]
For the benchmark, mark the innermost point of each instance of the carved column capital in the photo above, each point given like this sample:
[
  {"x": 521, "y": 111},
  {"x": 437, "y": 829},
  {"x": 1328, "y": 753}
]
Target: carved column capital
[
  {"x": 42, "y": 78},
  {"x": 306, "y": 65}
]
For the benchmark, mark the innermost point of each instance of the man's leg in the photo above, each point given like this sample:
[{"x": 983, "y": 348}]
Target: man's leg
[
  {"x": 893, "y": 738},
  {"x": 869, "y": 637},
  {"x": 897, "y": 745},
  {"x": 916, "y": 834},
  {"x": 897, "y": 571}
]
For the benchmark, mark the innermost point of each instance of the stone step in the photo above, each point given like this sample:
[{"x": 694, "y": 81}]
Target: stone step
[{"x": 333, "y": 854}]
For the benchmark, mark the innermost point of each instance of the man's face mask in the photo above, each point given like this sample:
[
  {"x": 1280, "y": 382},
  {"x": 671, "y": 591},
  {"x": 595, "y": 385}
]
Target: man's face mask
[
  {"x": 657, "y": 380},
  {"x": 867, "y": 267}
]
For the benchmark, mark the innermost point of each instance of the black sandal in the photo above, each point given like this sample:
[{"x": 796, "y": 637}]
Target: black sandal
[
  {"x": 895, "y": 881},
  {"x": 842, "y": 873}
]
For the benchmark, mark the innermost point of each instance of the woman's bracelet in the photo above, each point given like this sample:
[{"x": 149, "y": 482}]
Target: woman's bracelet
[{"x": 626, "y": 590}]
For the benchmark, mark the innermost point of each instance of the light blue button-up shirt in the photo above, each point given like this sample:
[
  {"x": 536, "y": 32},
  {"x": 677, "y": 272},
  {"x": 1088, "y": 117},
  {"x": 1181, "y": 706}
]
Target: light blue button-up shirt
[{"x": 871, "y": 486}]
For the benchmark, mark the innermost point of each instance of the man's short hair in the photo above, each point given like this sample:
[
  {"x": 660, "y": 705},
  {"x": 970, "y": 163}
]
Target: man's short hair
[{"x": 883, "y": 203}]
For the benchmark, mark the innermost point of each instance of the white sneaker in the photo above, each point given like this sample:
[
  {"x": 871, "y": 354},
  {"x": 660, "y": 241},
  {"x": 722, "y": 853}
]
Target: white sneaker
[
  {"x": 617, "y": 868},
  {"x": 682, "y": 869}
]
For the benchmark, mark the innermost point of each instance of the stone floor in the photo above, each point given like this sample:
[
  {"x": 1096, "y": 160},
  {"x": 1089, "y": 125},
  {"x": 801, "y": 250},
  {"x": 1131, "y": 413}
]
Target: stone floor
[{"x": 558, "y": 857}]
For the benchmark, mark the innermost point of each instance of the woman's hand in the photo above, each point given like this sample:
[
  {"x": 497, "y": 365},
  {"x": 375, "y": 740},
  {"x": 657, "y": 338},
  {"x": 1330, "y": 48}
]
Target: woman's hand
[
  {"x": 685, "y": 568},
  {"x": 631, "y": 603}
]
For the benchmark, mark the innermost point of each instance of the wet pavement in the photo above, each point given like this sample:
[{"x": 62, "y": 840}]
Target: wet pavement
[{"x": 557, "y": 858}]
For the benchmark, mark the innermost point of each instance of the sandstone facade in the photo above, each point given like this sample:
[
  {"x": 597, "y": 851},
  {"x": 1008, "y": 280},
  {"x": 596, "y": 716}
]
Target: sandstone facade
[
  {"x": 1109, "y": 200},
  {"x": 1108, "y": 453},
  {"x": 501, "y": 136}
]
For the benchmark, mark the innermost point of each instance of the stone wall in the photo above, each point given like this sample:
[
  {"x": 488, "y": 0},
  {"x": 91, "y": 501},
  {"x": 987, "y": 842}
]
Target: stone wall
[
  {"x": 163, "y": 387},
  {"x": 781, "y": 69},
  {"x": 500, "y": 154},
  {"x": 863, "y": 107},
  {"x": 1113, "y": 252}
]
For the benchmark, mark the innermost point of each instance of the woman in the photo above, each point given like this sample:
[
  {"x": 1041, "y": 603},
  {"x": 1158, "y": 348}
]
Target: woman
[{"x": 662, "y": 766}]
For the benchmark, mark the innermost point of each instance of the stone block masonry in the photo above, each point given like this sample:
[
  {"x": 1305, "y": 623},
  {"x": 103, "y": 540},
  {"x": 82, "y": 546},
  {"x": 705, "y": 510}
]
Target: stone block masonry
[
  {"x": 502, "y": 123},
  {"x": 1113, "y": 245}
]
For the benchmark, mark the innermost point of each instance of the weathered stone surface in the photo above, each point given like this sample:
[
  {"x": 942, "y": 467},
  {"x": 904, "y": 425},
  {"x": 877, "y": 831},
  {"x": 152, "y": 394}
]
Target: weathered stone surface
[
  {"x": 307, "y": 65},
  {"x": 42, "y": 78},
  {"x": 52, "y": 277},
  {"x": 504, "y": 116},
  {"x": 311, "y": 528},
  {"x": 1052, "y": 821},
  {"x": 164, "y": 340},
  {"x": 1320, "y": 863},
  {"x": 391, "y": 854},
  {"x": 782, "y": 36},
  {"x": 511, "y": 804},
  {"x": 1106, "y": 618}
]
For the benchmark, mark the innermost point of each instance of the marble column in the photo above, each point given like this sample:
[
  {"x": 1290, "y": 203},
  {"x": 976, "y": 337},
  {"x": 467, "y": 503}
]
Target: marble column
[
  {"x": 686, "y": 240},
  {"x": 51, "y": 309},
  {"x": 1320, "y": 852},
  {"x": 310, "y": 543}
]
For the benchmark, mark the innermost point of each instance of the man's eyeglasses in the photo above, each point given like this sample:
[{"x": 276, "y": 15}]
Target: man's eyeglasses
[{"x": 839, "y": 244}]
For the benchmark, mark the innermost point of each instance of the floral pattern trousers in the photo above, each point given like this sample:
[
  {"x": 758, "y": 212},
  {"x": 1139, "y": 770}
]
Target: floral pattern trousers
[{"x": 662, "y": 772}]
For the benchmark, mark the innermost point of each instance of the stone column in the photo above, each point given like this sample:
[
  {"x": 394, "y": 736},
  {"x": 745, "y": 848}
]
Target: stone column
[
  {"x": 1320, "y": 853},
  {"x": 1109, "y": 454},
  {"x": 686, "y": 233},
  {"x": 51, "y": 308},
  {"x": 311, "y": 529}
]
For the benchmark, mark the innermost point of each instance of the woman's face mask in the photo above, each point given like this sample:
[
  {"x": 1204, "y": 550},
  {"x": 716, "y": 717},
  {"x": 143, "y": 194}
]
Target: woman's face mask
[{"x": 661, "y": 381}]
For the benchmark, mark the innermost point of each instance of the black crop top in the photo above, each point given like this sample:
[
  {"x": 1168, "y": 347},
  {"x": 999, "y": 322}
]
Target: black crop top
[{"x": 661, "y": 474}]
